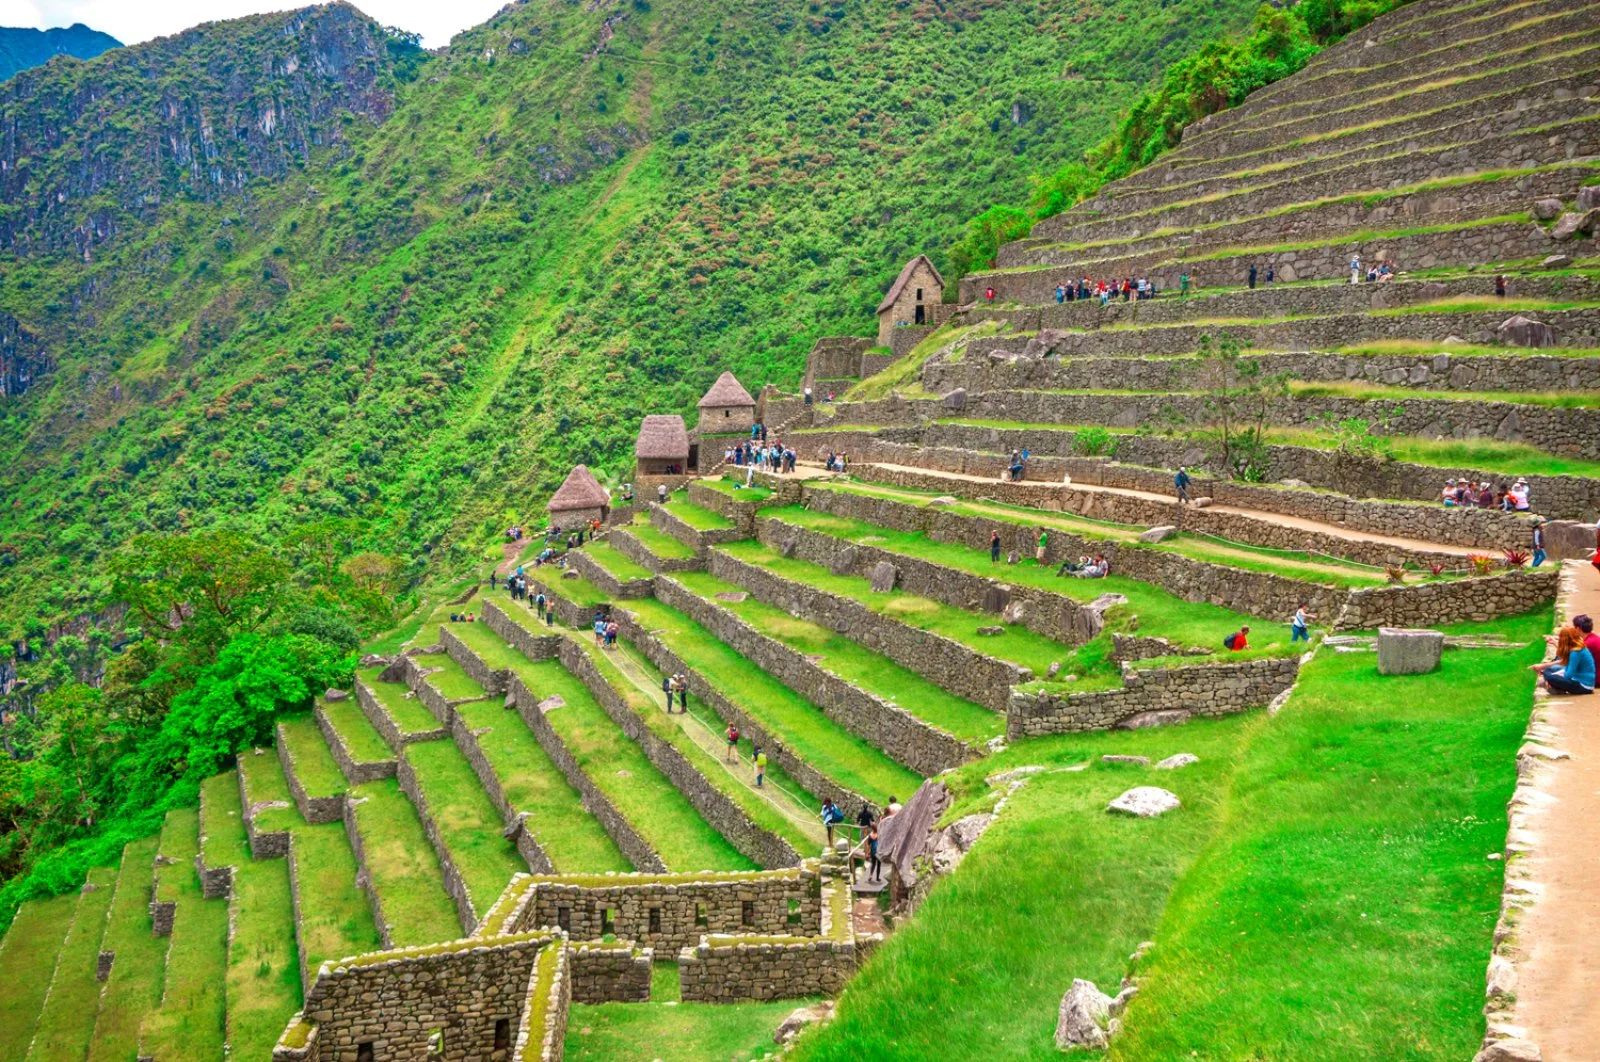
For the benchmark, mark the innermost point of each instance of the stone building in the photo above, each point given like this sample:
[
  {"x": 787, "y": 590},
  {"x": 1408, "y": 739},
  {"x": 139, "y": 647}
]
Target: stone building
[
  {"x": 913, "y": 300},
  {"x": 662, "y": 454},
  {"x": 579, "y": 501},
  {"x": 727, "y": 407}
]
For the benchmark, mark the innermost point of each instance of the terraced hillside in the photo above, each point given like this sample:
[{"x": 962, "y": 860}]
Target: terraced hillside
[{"x": 506, "y": 793}]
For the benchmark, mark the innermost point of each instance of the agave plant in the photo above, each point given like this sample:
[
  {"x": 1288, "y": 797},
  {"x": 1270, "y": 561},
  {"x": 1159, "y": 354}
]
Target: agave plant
[
  {"x": 1396, "y": 573},
  {"x": 1516, "y": 558},
  {"x": 1437, "y": 568},
  {"x": 1482, "y": 564}
]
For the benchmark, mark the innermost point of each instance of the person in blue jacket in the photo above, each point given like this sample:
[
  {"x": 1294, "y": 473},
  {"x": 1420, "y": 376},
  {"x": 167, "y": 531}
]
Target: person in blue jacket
[{"x": 1573, "y": 673}]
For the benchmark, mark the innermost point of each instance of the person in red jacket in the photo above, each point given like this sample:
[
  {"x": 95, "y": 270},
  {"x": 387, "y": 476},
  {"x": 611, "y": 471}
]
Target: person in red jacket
[{"x": 1237, "y": 640}]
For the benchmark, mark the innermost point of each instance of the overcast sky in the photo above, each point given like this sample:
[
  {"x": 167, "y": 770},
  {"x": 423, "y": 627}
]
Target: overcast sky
[{"x": 131, "y": 21}]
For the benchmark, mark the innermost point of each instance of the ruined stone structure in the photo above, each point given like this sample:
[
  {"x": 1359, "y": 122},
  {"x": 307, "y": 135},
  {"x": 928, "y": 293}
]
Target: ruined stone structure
[{"x": 912, "y": 301}]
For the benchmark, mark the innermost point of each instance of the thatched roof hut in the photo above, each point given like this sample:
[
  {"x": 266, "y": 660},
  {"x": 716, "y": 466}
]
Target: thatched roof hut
[
  {"x": 580, "y": 490},
  {"x": 727, "y": 391},
  {"x": 662, "y": 437}
]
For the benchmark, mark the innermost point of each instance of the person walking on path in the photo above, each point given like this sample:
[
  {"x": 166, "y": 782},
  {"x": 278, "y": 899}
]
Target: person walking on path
[
  {"x": 667, "y": 683},
  {"x": 759, "y": 760},
  {"x": 831, "y": 817},
  {"x": 683, "y": 694},
  {"x": 874, "y": 864},
  {"x": 1538, "y": 541},
  {"x": 1299, "y": 631},
  {"x": 1038, "y": 553},
  {"x": 733, "y": 742},
  {"x": 994, "y": 545},
  {"x": 1355, "y": 269},
  {"x": 1181, "y": 481},
  {"x": 1252, "y": 278}
]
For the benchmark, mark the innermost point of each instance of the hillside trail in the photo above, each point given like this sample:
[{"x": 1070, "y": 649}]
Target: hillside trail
[
  {"x": 712, "y": 743},
  {"x": 1558, "y": 979},
  {"x": 1298, "y": 522}
]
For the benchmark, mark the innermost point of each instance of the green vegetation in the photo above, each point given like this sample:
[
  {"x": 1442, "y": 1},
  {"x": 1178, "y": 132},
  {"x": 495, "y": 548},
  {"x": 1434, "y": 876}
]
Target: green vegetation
[
  {"x": 697, "y": 517},
  {"x": 190, "y": 1019},
  {"x": 64, "y": 1027},
  {"x": 673, "y": 1031},
  {"x": 619, "y": 566},
  {"x": 569, "y": 835},
  {"x": 466, "y": 820},
  {"x": 404, "y": 869},
  {"x": 134, "y": 987},
  {"x": 450, "y": 679},
  {"x": 905, "y": 374},
  {"x": 733, "y": 486},
  {"x": 619, "y": 769},
  {"x": 361, "y": 739},
  {"x": 335, "y": 918},
  {"x": 488, "y": 646},
  {"x": 658, "y": 542},
  {"x": 29, "y": 949},
  {"x": 860, "y": 667},
  {"x": 313, "y": 765},
  {"x": 409, "y": 714}
]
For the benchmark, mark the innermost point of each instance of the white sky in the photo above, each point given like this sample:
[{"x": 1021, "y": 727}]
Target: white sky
[{"x": 132, "y": 21}]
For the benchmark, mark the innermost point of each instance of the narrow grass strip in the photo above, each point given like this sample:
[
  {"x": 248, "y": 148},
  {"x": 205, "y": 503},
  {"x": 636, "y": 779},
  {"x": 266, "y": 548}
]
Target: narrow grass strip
[
  {"x": 466, "y": 819},
  {"x": 360, "y": 737},
  {"x": 699, "y": 518},
  {"x": 314, "y": 766},
  {"x": 489, "y": 646},
  {"x": 67, "y": 1021},
  {"x": 662, "y": 545},
  {"x": 190, "y": 1022},
  {"x": 618, "y": 767},
  {"x": 572, "y": 838},
  {"x": 451, "y": 679},
  {"x": 404, "y": 870},
  {"x": 134, "y": 987},
  {"x": 27, "y": 958},
  {"x": 335, "y": 918},
  {"x": 610, "y": 1032},
  {"x": 623, "y": 568},
  {"x": 263, "y": 775},
  {"x": 408, "y": 713}
]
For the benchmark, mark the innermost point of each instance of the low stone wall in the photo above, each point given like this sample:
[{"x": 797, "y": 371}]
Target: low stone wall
[
  {"x": 533, "y": 646},
  {"x": 1203, "y": 689},
  {"x": 742, "y": 513},
  {"x": 527, "y": 845},
  {"x": 835, "y": 356},
  {"x": 314, "y": 810},
  {"x": 264, "y": 844},
  {"x": 634, "y": 847},
  {"x": 546, "y": 1044},
  {"x": 766, "y": 848},
  {"x": 355, "y": 772},
  {"x": 376, "y": 714},
  {"x": 596, "y": 573},
  {"x": 1475, "y": 600},
  {"x": 900, "y": 735},
  {"x": 455, "y": 886},
  {"x": 216, "y": 882},
  {"x": 607, "y": 974},
  {"x": 493, "y": 681},
  {"x": 625, "y": 543},
  {"x": 352, "y": 830},
  {"x": 299, "y": 916},
  {"x": 1129, "y": 647},
  {"x": 676, "y": 910},
  {"x": 718, "y": 971},
  {"x": 663, "y": 519}
]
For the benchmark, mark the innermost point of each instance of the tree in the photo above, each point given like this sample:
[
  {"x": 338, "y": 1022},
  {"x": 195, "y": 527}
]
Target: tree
[
  {"x": 196, "y": 590},
  {"x": 1237, "y": 396}
]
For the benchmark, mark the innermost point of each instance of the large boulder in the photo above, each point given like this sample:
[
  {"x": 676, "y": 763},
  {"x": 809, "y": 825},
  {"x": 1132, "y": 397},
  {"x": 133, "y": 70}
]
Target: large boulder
[
  {"x": 1158, "y": 534},
  {"x": 1509, "y": 1051},
  {"x": 883, "y": 577},
  {"x": 799, "y": 1019},
  {"x": 1408, "y": 652},
  {"x": 1520, "y": 331},
  {"x": 1145, "y": 802},
  {"x": 1177, "y": 762},
  {"x": 1547, "y": 209},
  {"x": 1569, "y": 226},
  {"x": 1154, "y": 717},
  {"x": 844, "y": 562},
  {"x": 996, "y": 598},
  {"x": 1081, "y": 1020},
  {"x": 331, "y": 694},
  {"x": 956, "y": 399},
  {"x": 1556, "y": 261},
  {"x": 1126, "y": 761},
  {"x": 1015, "y": 612},
  {"x": 1589, "y": 197}
]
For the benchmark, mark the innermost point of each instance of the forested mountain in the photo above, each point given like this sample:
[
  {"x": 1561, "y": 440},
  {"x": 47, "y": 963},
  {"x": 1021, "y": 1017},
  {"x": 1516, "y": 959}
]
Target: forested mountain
[{"x": 21, "y": 49}]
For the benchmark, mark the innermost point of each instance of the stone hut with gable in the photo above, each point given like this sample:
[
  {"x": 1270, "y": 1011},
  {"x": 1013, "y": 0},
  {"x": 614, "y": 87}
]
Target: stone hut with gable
[
  {"x": 914, "y": 301},
  {"x": 726, "y": 408},
  {"x": 579, "y": 501},
  {"x": 662, "y": 454}
]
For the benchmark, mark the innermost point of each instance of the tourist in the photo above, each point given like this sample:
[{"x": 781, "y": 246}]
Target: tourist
[
  {"x": 994, "y": 545},
  {"x": 988, "y": 294},
  {"x": 874, "y": 864},
  {"x": 1181, "y": 481},
  {"x": 550, "y": 615},
  {"x": 759, "y": 761},
  {"x": 1519, "y": 495},
  {"x": 1252, "y": 277},
  {"x": 1038, "y": 553},
  {"x": 733, "y": 742},
  {"x": 1591, "y": 640},
  {"x": 1485, "y": 496},
  {"x": 1299, "y": 631},
  {"x": 1183, "y": 285},
  {"x": 1538, "y": 541},
  {"x": 599, "y": 630},
  {"x": 661, "y": 493},
  {"x": 864, "y": 817},
  {"x": 1573, "y": 672},
  {"x": 1355, "y": 269},
  {"x": 1238, "y": 640},
  {"x": 1448, "y": 495},
  {"x": 1098, "y": 568},
  {"x": 1061, "y": 294},
  {"x": 893, "y": 806},
  {"x": 1499, "y": 286},
  {"x": 808, "y": 396},
  {"x": 667, "y": 682},
  {"x": 1271, "y": 275},
  {"x": 683, "y": 693},
  {"x": 612, "y": 629},
  {"x": 831, "y": 817}
]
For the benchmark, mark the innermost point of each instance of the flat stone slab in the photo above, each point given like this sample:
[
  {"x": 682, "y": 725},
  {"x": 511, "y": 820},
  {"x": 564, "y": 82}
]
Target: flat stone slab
[
  {"x": 735, "y": 596},
  {"x": 332, "y": 694},
  {"x": 1158, "y": 534},
  {"x": 1403, "y": 651},
  {"x": 991, "y": 632},
  {"x": 1157, "y": 717},
  {"x": 1145, "y": 801},
  {"x": 1131, "y": 761},
  {"x": 884, "y": 576},
  {"x": 551, "y": 703},
  {"x": 1181, "y": 760}
]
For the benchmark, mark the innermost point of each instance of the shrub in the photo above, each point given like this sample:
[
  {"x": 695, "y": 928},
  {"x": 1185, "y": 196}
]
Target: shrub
[
  {"x": 1516, "y": 558},
  {"x": 1396, "y": 573},
  {"x": 1482, "y": 564},
  {"x": 1094, "y": 442}
]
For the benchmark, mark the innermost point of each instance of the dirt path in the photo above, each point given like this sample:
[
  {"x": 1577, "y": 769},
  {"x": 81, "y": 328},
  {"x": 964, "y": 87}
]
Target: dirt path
[
  {"x": 1299, "y": 522},
  {"x": 1558, "y": 976}
]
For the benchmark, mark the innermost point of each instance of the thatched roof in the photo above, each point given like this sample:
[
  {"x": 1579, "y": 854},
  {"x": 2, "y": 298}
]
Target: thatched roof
[
  {"x": 580, "y": 490},
  {"x": 727, "y": 391},
  {"x": 663, "y": 436},
  {"x": 905, "y": 278}
]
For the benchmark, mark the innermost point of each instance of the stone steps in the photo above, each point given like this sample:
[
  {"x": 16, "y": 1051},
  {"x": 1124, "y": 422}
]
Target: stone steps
[
  {"x": 65, "y": 1021},
  {"x": 191, "y": 1021},
  {"x": 138, "y": 964}
]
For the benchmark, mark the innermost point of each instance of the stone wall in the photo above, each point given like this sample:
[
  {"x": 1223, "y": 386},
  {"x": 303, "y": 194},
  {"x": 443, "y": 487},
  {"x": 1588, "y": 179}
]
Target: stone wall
[
  {"x": 902, "y": 340},
  {"x": 592, "y": 570},
  {"x": 264, "y": 844},
  {"x": 358, "y": 846},
  {"x": 724, "y": 970},
  {"x": 565, "y": 520},
  {"x": 835, "y": 357},
  {"x": 355, "y": 772},
  {"x": 1201, "y": 689},
  {"x": 900, "y": 735},
  {"x": 546, "y": 1040},
  {"x": 373, "y": 709},
  {"x": 299, "y": 917},
  {"x": 493, "y": 681},
  {"x": 455, "y": 886},
  {"x": 1473, "y": 600},
  {"x": 401, "y": 998},
  {"x": 314, "y": 810},
  {"x": 516, "y": 821},
  {"x": 1130, "y": 647},
  {"x": 766, "y": 848},
  {"x": 624, "y": 542},
  {"x": 216, "y": 882},
  {"x": 742, "y": 513},
  {"x": 533, "y": 646},
  {"x": 667, "y": 522},
  {"x": 603, "y": 973},
  {"x": 676, "y": 910}
]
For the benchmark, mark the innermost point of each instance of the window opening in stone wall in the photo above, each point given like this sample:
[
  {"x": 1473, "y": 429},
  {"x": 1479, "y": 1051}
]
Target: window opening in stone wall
[
  {"x": 700, "y": 915},
  {"x": 655, "y": 919},
  {"x": 919, "y": 294},
  {"x": 747, "y": 914},
  {"x": 608, "y": 921},
  {"x": 502, "y": 1034},
  {"x": 564, "y": 918},
  {"x": 794, "y": 912},
  {"x": 364, "y": 1052}
]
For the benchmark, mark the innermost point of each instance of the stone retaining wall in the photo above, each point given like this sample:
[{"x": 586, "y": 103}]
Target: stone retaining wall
[
  {"x": 763, "y": 846},
  {"x": 604, "y": 974},
  {"x": 742, "y": 513},
  {"x": 1203, "y": 689},
  {"x": 596, "y": 573},
  {"x": 533, "y": 646},
  {"x": 373, "y": 709},
  {"x": 295, "y": 908},
  {"x": 1475, "y": 600},
  {"x": 1129, "y": 647},
  {"x": 900, "y": 735},
  {"x": 677, "y": 910},
  {"x": 314, "y": 810},
  {"x": 527, "y": 845},
  {"x": 216, "y": 883},
  {"x": 455, "y": 886},
  {"x": 493, "y": 681},
  {"x": 264, "y": 844},
  {"x": 356, "y": 773},
  {"x": 733, "y": 971},
  {"x": 626, "y": 544},
  {"x": 352, "y": 830},
  {"x": 668, "y": 522}
]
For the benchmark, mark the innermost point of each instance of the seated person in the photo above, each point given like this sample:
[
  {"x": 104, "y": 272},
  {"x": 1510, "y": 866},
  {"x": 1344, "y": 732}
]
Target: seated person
[
  {"x": 1573, "y": 672},
  {"x": 1237, "y": 641},
  {"x": 1074, "y": 567},
  {"x": 1448, "y": 495},
  {"x": 1097, "y": 569}
]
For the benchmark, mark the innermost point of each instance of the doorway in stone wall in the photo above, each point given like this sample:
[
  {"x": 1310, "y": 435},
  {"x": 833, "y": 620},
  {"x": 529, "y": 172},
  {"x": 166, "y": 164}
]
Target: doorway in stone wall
[{"x": 922, "y": 315}]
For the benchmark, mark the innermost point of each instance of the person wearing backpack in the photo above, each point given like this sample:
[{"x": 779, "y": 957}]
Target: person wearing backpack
[
  {"x": 733, "y": 742},
  {"x": 759, "y": 761},
  {"x": 1237, "y": 641},
  {"x": 1181, "y": 481},
  {"x": 831, "y": 817}
]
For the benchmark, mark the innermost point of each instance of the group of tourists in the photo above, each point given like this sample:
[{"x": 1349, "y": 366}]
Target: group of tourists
[
  {"x": 1084, "y": 289},
  {"x": 833, "y": 816},
  {"x": 1086, "y": 567},
  {"x": 514, "y": 533},
  {"x": 775, "y": 458},
  {"x": 676, "y": 686},
  {"x": 1465, "y": 493},
  {"x": 837, "y": 462},
  {"x": 605, "y": 631},
  {"x": 1379, "y": 272},
  {"x": 1577, "y": 648}
]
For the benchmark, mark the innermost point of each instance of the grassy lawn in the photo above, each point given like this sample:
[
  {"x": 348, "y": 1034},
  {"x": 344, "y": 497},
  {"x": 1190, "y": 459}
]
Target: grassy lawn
[
  {"x": 451, "y": 680},
  {"x": 905, "y": 374},
  {"x": 661, "y": 544},
  {"x": 854, "y": 664},
  {"x": 134, "y": 988},
  {"x": 487, "y": 645},
  {"x": 733, "y": 486},
  {"x": 263, "y": 776},
  {"x": 700, "y": 519},
  {"x": 673, "y": 1032},
  {"x": 1354, "y": 389},
  {"x": 816, "y": 739},
  {"x": 619, "y": 769},
  {"x": 65, "y": 1026},
  {"x": 410, "y": 715},
  {"x": 263, "y": 981},
  {"x": 622, "y": 567},
  {"x": 648, "y": 706},
  {"x": 405, "y": 872},
  {"x": 27, "y": 958},
  {"x": 1160, "y": 613},
  {"x": 313, "y": 764},
  {"x": 335, "y": 918},
  {"x": 190, "y": 1022},
  {"x": 467, "y": 820},
  {"x": 361, "y": 739},
  {"x": 569, "y": 835}
]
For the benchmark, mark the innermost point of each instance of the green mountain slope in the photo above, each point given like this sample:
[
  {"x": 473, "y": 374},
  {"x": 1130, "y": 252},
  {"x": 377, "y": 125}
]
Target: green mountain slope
[{"x": 450, "y": 279}]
